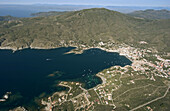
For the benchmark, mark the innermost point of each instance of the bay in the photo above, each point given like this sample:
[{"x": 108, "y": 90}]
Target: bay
[{"x": 31, "y": 73}]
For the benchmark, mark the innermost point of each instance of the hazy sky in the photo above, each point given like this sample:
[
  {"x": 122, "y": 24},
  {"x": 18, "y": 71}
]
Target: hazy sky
[{"x": 93, "y": 2}]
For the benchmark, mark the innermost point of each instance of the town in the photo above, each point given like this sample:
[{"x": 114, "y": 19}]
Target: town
[{"x": 122, "y": 87}]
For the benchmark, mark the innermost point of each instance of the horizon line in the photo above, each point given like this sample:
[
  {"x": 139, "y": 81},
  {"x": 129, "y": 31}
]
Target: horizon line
[{"x": 83, "y": 4}]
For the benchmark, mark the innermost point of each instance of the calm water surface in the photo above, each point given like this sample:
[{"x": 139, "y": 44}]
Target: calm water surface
[{"x": 25, "y": 73}]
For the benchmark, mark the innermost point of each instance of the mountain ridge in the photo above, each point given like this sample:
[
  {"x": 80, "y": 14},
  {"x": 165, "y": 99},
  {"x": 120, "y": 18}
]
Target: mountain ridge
[
  {"x": 151, "y": 14},
  {"x": 88, "y": 27}
]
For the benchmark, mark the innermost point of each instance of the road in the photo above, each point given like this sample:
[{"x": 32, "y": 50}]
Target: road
[{"x": 151, "y": 100}]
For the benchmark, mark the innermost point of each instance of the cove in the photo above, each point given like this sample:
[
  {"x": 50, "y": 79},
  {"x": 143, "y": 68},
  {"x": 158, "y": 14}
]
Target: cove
[{"x": 30, "y": 72}]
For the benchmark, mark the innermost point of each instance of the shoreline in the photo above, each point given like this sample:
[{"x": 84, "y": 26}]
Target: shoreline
[
  {"x": 71, "y": 51},
  {"x": 78, "y": 51},
  {"x": 18, "y": 49},
  {"x": 14, "y": 49},
  {"x": 102, "y": 78}
]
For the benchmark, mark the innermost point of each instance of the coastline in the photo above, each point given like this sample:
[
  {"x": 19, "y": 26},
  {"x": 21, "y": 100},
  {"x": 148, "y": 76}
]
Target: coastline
[
  {"x": 78, "y": 50},
  {"x": 102, "y": 78},
  {"x": 17, "y": 49},
  {"x": 72, "y": 51},
  {"x": 14, "y": 49}
]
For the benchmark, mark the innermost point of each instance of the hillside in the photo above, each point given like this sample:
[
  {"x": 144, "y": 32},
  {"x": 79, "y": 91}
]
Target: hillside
[
  {"x": 7, "y": 18},
  {"x": 51, "y": 13},
  {"x": 88, "y": 27},
  {"x": 151, "y": 14}
]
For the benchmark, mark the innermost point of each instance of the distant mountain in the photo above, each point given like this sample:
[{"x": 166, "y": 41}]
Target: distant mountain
[
  {"x": 50, "y": 13},
  {"x": 7, "y": 18},
  {"x": 88, "y": 27},
  {"x": 130, "y": 9},
  {"x": 152, "y": 14}
]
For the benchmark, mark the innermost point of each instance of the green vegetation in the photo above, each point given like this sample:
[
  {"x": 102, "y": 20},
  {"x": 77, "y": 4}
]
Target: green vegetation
[
  {"x": 132, "y": 88},
  {"x": 7, "y": 18},
  {"x": 123, "y": 88},
  {"x": 103, "y": 108},
  {"x": 151, "y": 14},
  {"x": 87, "y": 27},
  {"x": 67, "y": 106},
  {"x": 51, "y": 13},
  {"x": 160, "y": 105}
]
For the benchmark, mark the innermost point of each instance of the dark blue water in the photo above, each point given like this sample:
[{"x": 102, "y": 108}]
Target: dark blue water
[
  {"x": 23, "y": 10},
  {"x": 27, "y": 10},
  {"x": 25, "y": 73}
]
